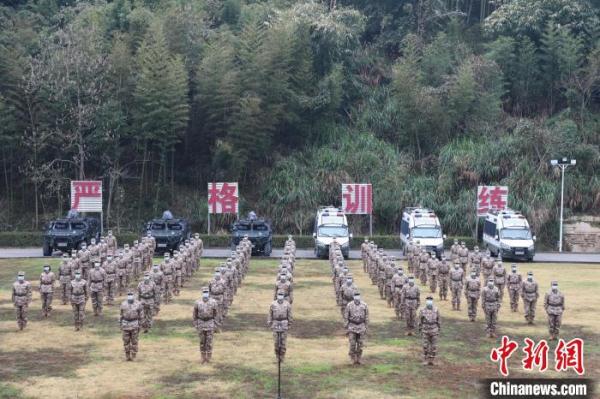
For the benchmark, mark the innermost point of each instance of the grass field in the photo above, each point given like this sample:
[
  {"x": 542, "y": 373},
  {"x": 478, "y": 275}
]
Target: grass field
[{"x": 51, "y": 360}]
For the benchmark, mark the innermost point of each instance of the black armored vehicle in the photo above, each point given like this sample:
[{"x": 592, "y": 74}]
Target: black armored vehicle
[
  {"x": 168, "y": 232},
  {"x": 69, "y": 233},
  {"x": 258, "y": 231}
]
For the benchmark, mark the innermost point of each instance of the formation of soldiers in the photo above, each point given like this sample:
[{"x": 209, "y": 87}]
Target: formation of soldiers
[
  {"x": 280, "y": 312},
  {"x": 101, "y": 272},
  {"x": 211, "y": 310},
  {"x": 355, "y": 311},
  {"x": 465, "y": 270}
]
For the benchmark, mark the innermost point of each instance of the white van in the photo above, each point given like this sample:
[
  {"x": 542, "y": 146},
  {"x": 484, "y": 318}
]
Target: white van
[
  {"x": 331, "y": 222},
  {"x": 421, "y": 224},
  {"x": 507, "y": 233}
]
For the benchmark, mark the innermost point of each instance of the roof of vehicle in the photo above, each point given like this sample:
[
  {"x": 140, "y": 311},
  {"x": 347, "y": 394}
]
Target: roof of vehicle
[
  {"x": 76, "y": 219},
  {"x": 168, "y": 221},
  {"x": 509, "y": 218},
  {"x": 257, "y": 221},
  {"x": 421, "y": 216}
]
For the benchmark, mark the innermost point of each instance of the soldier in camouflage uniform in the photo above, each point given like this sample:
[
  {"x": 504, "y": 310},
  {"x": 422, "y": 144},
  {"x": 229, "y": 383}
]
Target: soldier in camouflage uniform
[
  {"x": 64, "y": 277},
  {"x": 472, "y": 293},
  {"x": 79, "y": 296},
  {"x": 178, "y": 267},
  {"x": 381, "y": 263},
  {"x": 454, "y": 251},
  {"x": 443, "y": 278},
  {"x": 411, "y": 297},
  {"x": 132, "y": 314},
  {"x": 283, "y": 285},
  {"x": 280, "y": 320},
  {"x": 47, "y": 279},
  {"x": 429, "y": 327},
  {"x": 463, "y": 256},
  {"x": 347, "y": 291},
  {"x": 456, "y": 284},
  {"x": 148, "y": 295},
  {"x": 217, "y": 289},
  {"x": 356, "y": 320},
  {"x": 157, "y": 278},
  {"x": 136, "y": 255},
  {"x": 390, "y": 269},
  {"x": 97, "y": 281},
  {"x": 530, "y": 294},
  {"x": 514, "y": 282},
  {"x": 84, "y": 256},
  {"x": 398, "y": 282},
  {"x": 410, "y": 255},
  {"x": 475, "y": 260},
  {"x": 554, "y": 303},
  {"x": 111, "y": 243},
  {"x": 110, "y": 284},
  {"x": 168, "y": 275},
  {"x": 21, "y": 298},
  {"x": 423, "y": 261},
  {"x": 499, "y": 273},
  {"x": 363, "y": 253},
  {"x": 432, "y": 272},
  {"x": 490, "y": 302},
  {"x": 206, "y": 311},
  {"x": 102, "y": 250},
  {"x": 487, "y": 266},
  {"x": 94, "y": 250},
  {"x": 121, "y": 274}
]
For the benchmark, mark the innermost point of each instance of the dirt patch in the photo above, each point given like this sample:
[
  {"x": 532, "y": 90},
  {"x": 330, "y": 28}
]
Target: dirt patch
[{"x": 47, "y": 362}]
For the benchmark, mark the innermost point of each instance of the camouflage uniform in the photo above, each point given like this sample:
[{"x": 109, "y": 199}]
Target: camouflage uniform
[
  {"x": 79, "y": 296},
  {"x": 454, "y": 251},
  {"x": 554, "y": 303},
  {"x": 398, "y": 281},
  {"x": 429, "y": 326},
  {"x": 487, "y": 267},
  {"x": 178, "y": 268},
  {"x": 432, "y": 273},
  {"x": 499, "y": 273},
  {"x": 206, "y": 311},
  {"x": 490, "y": 302},
  {"x": 217, "y": 291},
  {"x": 443, "y": 279},
  {"x": 363, "y": 253},
  {"x": 463, "y": 257},
  {"x": 530, "y": 294},
  {"x": 381, "y": 263},
  {"x": 389, "y": 273},
  {"x": 456, "y": 285},
  {"x": 286, "y": 287},
  {"x": 157, "y": 278},
  {"x": 280, "y": 320},
  {"x": 423, "y": 261},
  {"x": 110, "y": 283},
  {"x": 346, "y": 294},
  {"x": 410, "y": 256},
  {"x": 64, "y": 276},
  {"x": 121, "y": 274},
  {"x": 514, "y": 281},
  {"x": 84, "y": 260},
  {"x": 475, "y": 260},
  {"x": 97, "y": 281},
  {"x": 111, "y": 243},
  {"x": 148, "y": 295},
  {"x": 131, "y": 316},
  {"x": 472, "y": 293},
  {"x": 411, "y": 297},
  {"x": 356, "y": 317},
  {"x": 21, "y": 298},
  {"x": 168, "y": 271}
]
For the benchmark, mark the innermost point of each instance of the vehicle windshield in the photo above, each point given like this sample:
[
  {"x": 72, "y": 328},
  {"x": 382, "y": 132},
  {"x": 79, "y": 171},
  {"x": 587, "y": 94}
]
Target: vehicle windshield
[
  {"x": 426, "y": 232},
  {"x": 242, "y": 227},
  {"x": 331, "y": 231},
  {"x": 78, "y": 226},
  {"x": 515, "y": 234},
  {"x": 60, "y": 226},
  {"x": 158, "y": 226},
  {"x": 175, "y": 226}
]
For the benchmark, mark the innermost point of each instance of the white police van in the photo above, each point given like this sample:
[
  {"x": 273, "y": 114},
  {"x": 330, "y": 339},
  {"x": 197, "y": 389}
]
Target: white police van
[
  {"x": 507, "y": 233},
  {"x": 422, "y": 225},
  {"x": 331, "y": 222}
]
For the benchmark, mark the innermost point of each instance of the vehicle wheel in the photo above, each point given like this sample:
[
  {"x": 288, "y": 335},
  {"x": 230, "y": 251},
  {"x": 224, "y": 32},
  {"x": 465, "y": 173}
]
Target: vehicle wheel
[
  {"x": 267, "y": 249},
  {"x": 530, "y": 259},
  {"x": 47, "y": 250}
]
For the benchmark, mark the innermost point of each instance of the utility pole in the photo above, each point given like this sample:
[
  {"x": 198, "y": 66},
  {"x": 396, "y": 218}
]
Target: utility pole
[{"x": 563, "y": 164}]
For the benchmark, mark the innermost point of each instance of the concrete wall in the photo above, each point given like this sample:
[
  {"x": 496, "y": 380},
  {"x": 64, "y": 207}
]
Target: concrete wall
[{"x": 582, "y": 234}]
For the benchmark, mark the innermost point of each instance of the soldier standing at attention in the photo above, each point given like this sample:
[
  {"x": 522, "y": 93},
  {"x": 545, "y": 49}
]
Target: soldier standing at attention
[
  {"x": 148, "y": 294},
  {"x": 490, "y": 302},
  {"x": 205, "y": 317},
  {"x": 111, "y": 243},
  {"x": 411, "y": 296},
  {"x": 356, "y": 319},
  {"x": 456, "y": 285},
  {"x": 554, "y": 303},
  {"x": 347, "y": 293},
  {"x": 280, "y": 320},
  {"x": 530, "y": 295},
  {"x": 46, "y": 288},
  {"x": 432, "y": 271},
  {"x": 423, "y": 260},
  {"x": 216, "y": 289},
  {"x": 454, "y": 250},
  {"x": 167, "y": 270},
  {"x": 157, "y": 277},
  {"x": 65, "y": 274},
  {"x": 398, "y": 282},
  {"x": 110, "y": 284},
  {"x": 121, "y": 274},
  {"x": 429, "y": 327},
  {"x": 97, "y": 279},
  {"x": 514, "y": 281},
  {"x": 21, "y": 298},
  {"x": 132, "y": 314},
  {"x": 475, "y": 259},
  {"x": 84, "y": 259},
  {"x": 443, "y": 278},
  {"x": 472, "y": 293},
  {"x": 487, "y": 265},
  {"x": 363, "y": 253},
  {"x": 79, "y": 296},
  {"x": 463, "y": 256},
  {"x": 499, "y": 273}
]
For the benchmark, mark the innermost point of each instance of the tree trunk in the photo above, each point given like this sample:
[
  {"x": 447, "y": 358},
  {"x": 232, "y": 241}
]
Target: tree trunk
[
  {"x": 172, "y": 173},
  {"x": 139, "y": 208},
  {"x": 161, "y": 170}
]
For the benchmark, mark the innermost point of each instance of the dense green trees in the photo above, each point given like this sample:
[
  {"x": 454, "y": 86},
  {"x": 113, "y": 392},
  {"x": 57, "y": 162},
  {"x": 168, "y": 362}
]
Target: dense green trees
[{"x": 425, "y": 99}]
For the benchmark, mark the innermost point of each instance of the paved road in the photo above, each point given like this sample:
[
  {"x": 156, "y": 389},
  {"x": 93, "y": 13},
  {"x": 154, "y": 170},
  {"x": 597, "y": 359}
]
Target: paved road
[{"x": 554, "y": 257}]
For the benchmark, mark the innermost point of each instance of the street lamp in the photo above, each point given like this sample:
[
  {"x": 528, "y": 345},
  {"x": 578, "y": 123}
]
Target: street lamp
[{"x": 563, "y": 164}]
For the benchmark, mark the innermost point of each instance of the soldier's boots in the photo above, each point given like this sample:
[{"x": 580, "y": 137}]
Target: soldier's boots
[
  {"x": 133, "y": 353},
  {"x": 128, "y": 356},
  {"x": 208, "y": 356},
  {"x": 21, "y": 324}
]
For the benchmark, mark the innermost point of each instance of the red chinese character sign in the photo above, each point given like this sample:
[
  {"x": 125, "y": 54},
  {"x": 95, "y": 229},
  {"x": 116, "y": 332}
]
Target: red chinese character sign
[
  {"x": 491, "y": 198},
  {"x": 223, "y": 198},
  {"x": 86, "y": 195},
  {"x": 357, "y": 199}
]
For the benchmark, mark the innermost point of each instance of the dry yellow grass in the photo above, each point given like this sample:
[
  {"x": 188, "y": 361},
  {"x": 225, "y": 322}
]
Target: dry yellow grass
[{"x": 51, "y": 360}]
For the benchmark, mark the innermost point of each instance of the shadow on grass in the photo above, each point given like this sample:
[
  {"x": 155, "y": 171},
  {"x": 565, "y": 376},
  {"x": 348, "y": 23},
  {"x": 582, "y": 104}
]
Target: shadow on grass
[{"x": 47, "y": 362}]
